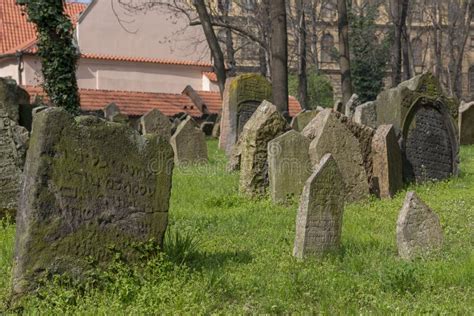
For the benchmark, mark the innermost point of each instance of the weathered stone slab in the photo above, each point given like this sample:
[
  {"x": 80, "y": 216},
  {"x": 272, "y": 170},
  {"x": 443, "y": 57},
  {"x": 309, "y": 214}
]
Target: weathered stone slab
[
  {"x": 429, "y": 143},
  {"x": 242, "y": 96},
  {"x": 289, "y": 165},
  {"x": 264, "y": 125},
  {"x": 418, "y": 228},
  {"x": 155, "y": 122},
  {"x": 330, "y": 134},
  {"x": 302, "y": 119},
  {"x": 351, "y": 105},
  {"x": 110, "y": 110},
  {"x": 189, "y": 144},
  {"x": 466, "y": 123},
  {"x": 89, "y": 185},
  {"x": 12, "y": 97},
  {"x": 387, "y": 162},
  {"x": 366, "y": 114},
  {"x": 319, "y": 218}
]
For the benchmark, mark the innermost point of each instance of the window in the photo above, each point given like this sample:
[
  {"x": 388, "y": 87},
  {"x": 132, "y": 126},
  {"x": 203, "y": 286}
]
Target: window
[
  {"x": 327, "y": 48},
  {"x": 417, "y": 47},
  {"x": 471, "y": 81}
]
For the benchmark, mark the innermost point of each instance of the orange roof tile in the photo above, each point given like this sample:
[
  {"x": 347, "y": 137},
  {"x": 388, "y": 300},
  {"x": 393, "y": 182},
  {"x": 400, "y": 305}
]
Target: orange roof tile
[
  {"x": 147, "y": 60},
  {"x": 16, "y": 31},
  {"x": 211, "y": 75},
  {"x": 130, "y": 103},
  {"x": 138, "y": 103}
]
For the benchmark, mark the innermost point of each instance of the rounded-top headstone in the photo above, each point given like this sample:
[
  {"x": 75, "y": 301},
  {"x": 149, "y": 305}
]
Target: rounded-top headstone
[
  {"x": 155, "y": 122},
  {"x": 189, "y": 143}
]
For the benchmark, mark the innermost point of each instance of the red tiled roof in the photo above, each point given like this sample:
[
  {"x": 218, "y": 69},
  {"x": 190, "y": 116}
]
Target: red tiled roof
[
  {"x": 130, "y": 103},
  {"x": 148, "y": 60},
  {"x": 16, "y": 31},
  {"x": 138, "y": 103},
  {"x": 211, "y": 75}
]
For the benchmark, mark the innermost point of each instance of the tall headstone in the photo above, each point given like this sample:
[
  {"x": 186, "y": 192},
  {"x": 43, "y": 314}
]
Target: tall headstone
[
  {"x": 302, "y": 119},
  {"x": 366, "y": 114},
  {"x": 351, "y": 105},
  {"x": 110, "y": 110},
  {"x": 418, "y": 228},
  {"x": 331, "y": 135},
  {"x": 466, "y": 123},
  {"x": 89, "y": 185},
  {"x": 288, "y": 165},
  {"x": 425, "y": 116},
  {"x": 387, "y": 162},
  {"x": 155, "y": 122},
  {"x": 13, "y": 145},
  {"x": 264, "y": 125},
  {"x": 189, "y": 144},
  {"x": 319, "y": 218},
  {"x": 242, "y": 96}
]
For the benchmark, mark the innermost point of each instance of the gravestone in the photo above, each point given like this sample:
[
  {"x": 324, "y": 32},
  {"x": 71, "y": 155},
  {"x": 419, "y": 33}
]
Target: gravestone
[
  {"x": 387, "y": 162},
  {"x": 319, "y": 218},
  {"x": 110, "y": 111},
  {"x": 90, "y": 186},
  {"x": 302, "y": 119},
  {"x": 430, "y": 143},
  {"x": 189, "y": 144},
  {"x": 365, "y": 114},
  {"x": 155, "y": 122},
  {"x": 351, "y": 105},
  {"x": 288, "y": 165},
  {"x": 466, "y": 123},
  {"x": 424, "y": 115},
  {"x": 13, "y": 145},
  {"x": 331, "y": 134},
  {"x": 418, "y": 228},
  {"x": 242, "y": 96},
  {"x": 264, "y": 125}
]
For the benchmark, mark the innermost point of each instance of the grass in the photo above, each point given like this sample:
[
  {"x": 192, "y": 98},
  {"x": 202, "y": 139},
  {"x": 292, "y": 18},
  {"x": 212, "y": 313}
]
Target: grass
[{"x": 228, "y": 254}]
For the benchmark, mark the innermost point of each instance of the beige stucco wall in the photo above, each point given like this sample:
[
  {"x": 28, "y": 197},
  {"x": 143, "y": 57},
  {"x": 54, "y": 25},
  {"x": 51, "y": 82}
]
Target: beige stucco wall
[
  {"x": 106, "y": 28},
  {"x": 9, "y": 68}
]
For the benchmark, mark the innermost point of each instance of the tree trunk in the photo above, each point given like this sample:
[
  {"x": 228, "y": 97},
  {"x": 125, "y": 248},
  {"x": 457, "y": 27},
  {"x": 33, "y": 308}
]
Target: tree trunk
[
  {"x": 344, "y": 60},
  {"x": 406, "y": 41},
  {"x": 279, "y": 49},
  {"x": 302, "y": 74},
  {"x": 229, "y": 42},
  {"x": 395, "y": 12},
  {"x": 216, "y": 52}
]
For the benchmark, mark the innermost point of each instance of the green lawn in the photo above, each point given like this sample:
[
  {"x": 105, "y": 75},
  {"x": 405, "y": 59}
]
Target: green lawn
[{"x": 228, "y": 254}]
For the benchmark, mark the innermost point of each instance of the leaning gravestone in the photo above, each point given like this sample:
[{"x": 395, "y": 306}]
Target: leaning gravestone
[
  {"x": 319, "y": 219},
  {"x": 299, "y": 122},
  {"x": 466, "y": 123},
  {"x": 264, "y": 125},
  {"x": 365, "y": 114},
  {"x": 189, "y": 144},
  {"x": 155, "y": 122},
  {"x": 351, "y": 105},
  {"x": 288, "y": 165},
  {"x": 418, "y": 228},
  {"x": 13, "y": 145},
  {"x": 387, "y": 162},
  {"x": 330, "y": 134},
  {"x": 242, "y": 96},
  {"x": 110, "y": 110},
  {"x": 419, "y": 109},
  {"x": 90, "y": 185}
]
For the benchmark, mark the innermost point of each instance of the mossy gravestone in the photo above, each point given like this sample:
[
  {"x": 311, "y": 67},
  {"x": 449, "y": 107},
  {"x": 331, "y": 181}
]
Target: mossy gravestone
[
  {"x": 418, "y": 228},
  {"x": 189, "y": 144},
  {"x": 264, "y": 125},
  {"x": 302, "y": 119},
  {"x": 13, "y": 145},
  {"x": 155, "y": 122},
  {"x": 319, "y": 219},
  {"x": 330, "y": 134},
  {"x": 466, "y": 123},
  {"x": 90, "y": 185},
  {"x": 243, "y": 95},
  {"x": 288, "y": 165}
]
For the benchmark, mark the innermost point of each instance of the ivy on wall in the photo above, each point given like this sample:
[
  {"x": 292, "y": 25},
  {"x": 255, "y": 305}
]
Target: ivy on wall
[{"x": 57, "y": 51}]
